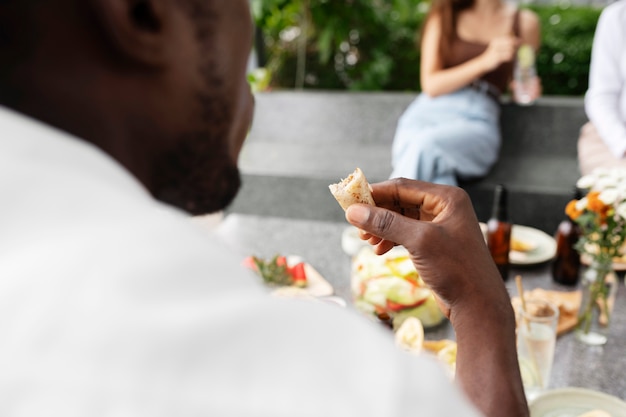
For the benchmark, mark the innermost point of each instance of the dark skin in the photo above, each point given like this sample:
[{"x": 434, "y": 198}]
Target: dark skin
[
  {"x": 134, "y": 82},
  {"x": 160, "y": 86},
  {"x": 436, "y": 221}
]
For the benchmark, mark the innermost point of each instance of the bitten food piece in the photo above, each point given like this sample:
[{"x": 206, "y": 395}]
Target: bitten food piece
[{"x": 353, "y": 189}]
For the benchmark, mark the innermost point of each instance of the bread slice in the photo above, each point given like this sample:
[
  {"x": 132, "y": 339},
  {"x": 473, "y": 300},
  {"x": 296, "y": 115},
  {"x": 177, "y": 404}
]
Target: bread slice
[{"x": 353, "y": 189}]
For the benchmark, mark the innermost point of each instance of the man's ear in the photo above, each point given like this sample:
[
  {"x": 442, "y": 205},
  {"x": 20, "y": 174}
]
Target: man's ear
[{"x": 138, "y": 29}]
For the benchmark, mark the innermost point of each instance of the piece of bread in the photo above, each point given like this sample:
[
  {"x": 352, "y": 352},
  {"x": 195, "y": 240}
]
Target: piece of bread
[{"x": 353, "y": 189}]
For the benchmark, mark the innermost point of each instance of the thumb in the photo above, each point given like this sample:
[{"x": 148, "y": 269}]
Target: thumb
[{"x": 385, "y": 224}]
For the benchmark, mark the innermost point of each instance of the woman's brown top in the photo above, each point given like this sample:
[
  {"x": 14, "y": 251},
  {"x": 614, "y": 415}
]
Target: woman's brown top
[{"x": 462, "y": 51}]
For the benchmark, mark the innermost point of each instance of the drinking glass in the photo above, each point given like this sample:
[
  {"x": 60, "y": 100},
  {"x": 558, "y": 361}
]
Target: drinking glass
[{"x": 536, "y": 337}]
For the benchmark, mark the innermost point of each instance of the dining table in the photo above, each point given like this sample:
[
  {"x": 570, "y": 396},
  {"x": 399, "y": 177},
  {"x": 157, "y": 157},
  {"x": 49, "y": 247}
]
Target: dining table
[{"x": 319, "y": 243}]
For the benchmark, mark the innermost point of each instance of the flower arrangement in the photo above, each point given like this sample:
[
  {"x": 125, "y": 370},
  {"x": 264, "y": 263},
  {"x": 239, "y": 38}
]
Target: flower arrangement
[{"x": 601, "y": 215}]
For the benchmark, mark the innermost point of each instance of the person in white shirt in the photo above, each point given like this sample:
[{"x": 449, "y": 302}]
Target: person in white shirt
[
  {"x": 113, "y": 303},
  {"x": 602, "y": 141}
]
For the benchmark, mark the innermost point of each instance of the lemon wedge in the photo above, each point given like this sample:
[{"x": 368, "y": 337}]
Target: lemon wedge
[
  {"x": 522, "y": 245},
  {"x": 448, "y": 356},
  {"x": 410, "y": 335},
  {"x": 526, "y": 56},
  {"x": 435, "y": 346}
]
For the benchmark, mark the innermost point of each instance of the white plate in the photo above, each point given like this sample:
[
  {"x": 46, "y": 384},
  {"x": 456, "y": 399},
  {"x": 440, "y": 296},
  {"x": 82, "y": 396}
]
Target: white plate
[
  {"x": 317, "y": 286},
  {"x": 351, "y": 243},
  {"x": 572, "y": 402},
  {"x": 544, "y": 245}
]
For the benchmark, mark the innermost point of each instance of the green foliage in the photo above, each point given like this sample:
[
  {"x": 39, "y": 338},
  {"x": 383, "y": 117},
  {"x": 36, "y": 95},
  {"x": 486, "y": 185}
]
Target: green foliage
[
  {"x": 371, "y": 44},
  {"x": 564, "y": 57},
  {"x": 350, "y": 44}
]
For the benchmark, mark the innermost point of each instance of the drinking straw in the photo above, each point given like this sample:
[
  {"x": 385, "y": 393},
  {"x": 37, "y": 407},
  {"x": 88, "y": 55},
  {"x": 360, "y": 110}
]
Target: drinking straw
[{"x": 520, "y": 290}]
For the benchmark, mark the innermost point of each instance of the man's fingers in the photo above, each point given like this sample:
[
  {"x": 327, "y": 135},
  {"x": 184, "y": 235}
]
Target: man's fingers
[
  {"x": 411, "y": 198},
  {"x": 383, "y": 246}
]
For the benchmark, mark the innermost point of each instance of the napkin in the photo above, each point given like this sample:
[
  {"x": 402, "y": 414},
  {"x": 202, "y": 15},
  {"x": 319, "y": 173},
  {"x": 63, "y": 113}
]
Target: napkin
[{"x": 568, "y": 303}]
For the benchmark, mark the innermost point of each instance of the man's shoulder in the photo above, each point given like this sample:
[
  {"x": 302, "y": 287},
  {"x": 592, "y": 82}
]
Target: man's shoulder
[
  {"x": 80, "y": 215},
  {"x": 160, "y": 243}
]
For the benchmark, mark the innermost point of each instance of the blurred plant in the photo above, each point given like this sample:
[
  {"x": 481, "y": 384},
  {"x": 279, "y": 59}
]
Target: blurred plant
[
  {"x": 348, "y": 44},
  {"x": 565, "y": 54},
  {"x": 371, "y": 44},
  {"x": 259, "y": 79}
]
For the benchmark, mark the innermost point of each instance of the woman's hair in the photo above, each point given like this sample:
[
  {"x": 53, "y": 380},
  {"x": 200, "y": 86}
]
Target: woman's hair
[{"x": 448, "y": 10}]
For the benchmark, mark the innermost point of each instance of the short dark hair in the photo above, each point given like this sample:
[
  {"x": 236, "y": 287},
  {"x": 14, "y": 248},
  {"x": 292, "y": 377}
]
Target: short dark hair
[
  {"x": 18, "y": 37},
  {"x": 14, "y": 22}
]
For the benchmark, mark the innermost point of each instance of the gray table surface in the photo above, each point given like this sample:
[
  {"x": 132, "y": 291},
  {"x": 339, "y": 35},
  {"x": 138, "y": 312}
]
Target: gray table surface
[{"x": 319, "y": 243}]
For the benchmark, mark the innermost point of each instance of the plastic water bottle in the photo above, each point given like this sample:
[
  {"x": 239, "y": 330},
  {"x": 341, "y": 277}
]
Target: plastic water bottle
[{"x": 524, "y": 74}]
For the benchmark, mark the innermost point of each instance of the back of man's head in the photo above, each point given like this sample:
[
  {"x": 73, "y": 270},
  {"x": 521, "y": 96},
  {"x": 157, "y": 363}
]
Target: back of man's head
[{"x": 158, "y": 84}]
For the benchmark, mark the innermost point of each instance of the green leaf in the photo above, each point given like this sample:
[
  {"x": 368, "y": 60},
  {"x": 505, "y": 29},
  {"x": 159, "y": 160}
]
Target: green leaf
[{"x": 324, "y": 44}]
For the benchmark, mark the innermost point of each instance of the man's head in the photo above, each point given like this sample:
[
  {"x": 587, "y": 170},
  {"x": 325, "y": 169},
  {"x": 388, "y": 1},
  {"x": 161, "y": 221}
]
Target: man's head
[{"x": 158, "y": 84}]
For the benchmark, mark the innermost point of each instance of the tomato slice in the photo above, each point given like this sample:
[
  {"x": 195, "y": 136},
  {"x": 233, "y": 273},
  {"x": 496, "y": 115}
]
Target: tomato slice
[
  {"x": 250, "y": 263},
  {"x": 412, "y": 279},
  {"x": 298, "y": 274},
  {"x": 393, "y": 306},
  {"x": 281, "y": 260}
]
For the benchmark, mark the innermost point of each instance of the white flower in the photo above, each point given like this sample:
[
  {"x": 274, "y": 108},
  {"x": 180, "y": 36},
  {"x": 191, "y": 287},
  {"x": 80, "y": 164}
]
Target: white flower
[
  {"x": 621, "y": 210},
  {"x": 608, "y": 196},
  {"x": 581, "y": 204},
  {"x": 586, "y": 182},
  {"x": 618, "y": 173},
  {"x": 621, "y": 187},
  {"x": 605, "y": 183}
]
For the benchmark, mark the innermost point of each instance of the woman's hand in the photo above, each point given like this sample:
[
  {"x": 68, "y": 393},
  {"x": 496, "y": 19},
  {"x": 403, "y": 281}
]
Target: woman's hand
[{"x": 500, "y": 49}]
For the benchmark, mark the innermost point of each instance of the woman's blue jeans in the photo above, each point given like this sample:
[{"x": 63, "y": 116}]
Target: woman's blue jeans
[{"x": 440, "y": 139}]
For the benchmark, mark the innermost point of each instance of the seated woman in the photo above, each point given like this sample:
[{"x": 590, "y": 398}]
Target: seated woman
[
  {"x": 452, "y": 129},
  {"x": 602, "y": 141}
]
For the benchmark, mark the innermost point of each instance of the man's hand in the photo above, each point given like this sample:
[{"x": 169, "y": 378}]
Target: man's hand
[{"x": 439, "y": 228}]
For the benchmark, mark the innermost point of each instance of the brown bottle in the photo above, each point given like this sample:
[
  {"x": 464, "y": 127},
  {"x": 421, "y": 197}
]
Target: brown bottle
[
  {"x": 566, "y": 264},
  {"x": 499, "y": 231}
]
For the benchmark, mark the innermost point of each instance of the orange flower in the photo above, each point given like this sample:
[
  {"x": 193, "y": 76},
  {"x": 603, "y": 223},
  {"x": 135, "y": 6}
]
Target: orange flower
[
  {"x": 596, "y": 205},
  {"x": 571, "y": 210}
]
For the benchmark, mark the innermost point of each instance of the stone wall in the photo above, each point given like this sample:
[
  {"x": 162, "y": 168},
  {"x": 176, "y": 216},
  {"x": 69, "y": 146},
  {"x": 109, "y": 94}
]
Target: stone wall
[{"x": 302, "y": 141}]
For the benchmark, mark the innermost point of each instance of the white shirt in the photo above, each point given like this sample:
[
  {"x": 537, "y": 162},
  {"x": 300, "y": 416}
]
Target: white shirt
[
  {"x": 605, "y": 100},
  {"x": 112, "y": 304}
]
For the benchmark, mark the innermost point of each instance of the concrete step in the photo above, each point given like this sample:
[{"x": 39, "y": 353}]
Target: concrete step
[{"x": 303, "y": 141}]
